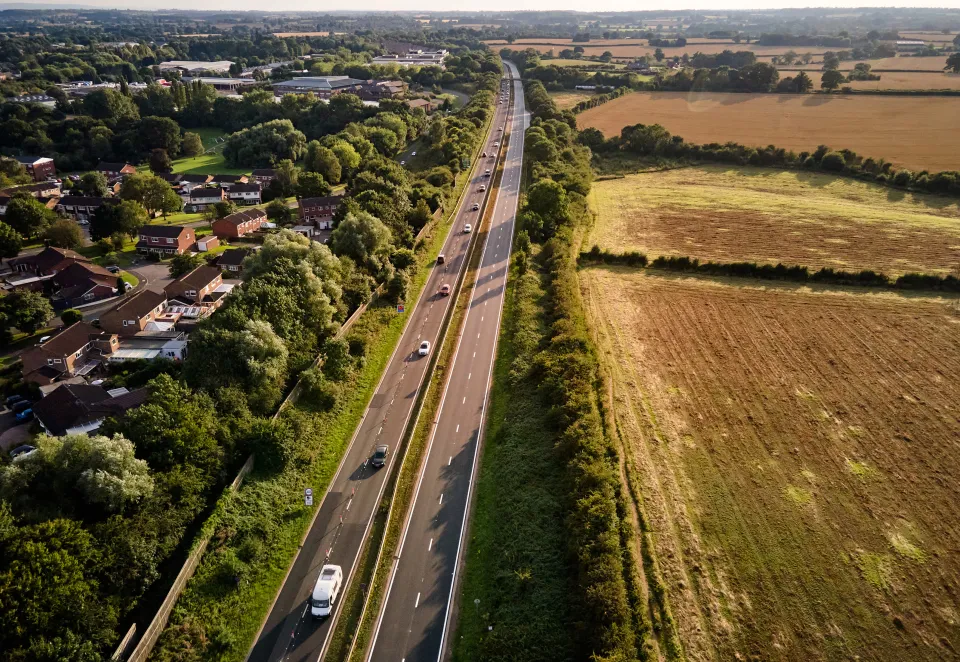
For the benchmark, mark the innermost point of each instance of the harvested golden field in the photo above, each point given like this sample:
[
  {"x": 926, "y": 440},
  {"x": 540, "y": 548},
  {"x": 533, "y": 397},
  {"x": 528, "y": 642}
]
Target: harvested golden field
[
  {"x": 638, "y": 49},
  {"x": 881, "y": 65},
  {"x": 569, "y": 43},
  {"x": 580, "y": 63},
  {"x": 914, "y": 132},
  {"x": 910, "y": 80},
  {"x": 284, "y": 35},
  {"x": 794, "y": 453},
  {"x": 929, "y": 36},
  {"x": 566, "y": 100},
  {"x": 763, "y": 215}
]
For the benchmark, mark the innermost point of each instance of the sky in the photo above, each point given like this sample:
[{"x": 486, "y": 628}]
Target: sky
[{"x": 489, "y": 5}]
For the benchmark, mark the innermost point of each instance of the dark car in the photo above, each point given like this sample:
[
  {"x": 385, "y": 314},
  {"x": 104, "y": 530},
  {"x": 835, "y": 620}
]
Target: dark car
[
  {"x": 380, "y": 455},
  {"x": 22, "y": 450},
  {"x": 21, "y": 405},
  {"x": 14, "y": 399},
  {"x": 114, "y": 269},
  {"x": 25, "y": 415}
]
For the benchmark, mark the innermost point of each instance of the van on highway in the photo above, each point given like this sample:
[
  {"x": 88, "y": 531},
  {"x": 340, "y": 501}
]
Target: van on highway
[{"x": 326, "y": 590}]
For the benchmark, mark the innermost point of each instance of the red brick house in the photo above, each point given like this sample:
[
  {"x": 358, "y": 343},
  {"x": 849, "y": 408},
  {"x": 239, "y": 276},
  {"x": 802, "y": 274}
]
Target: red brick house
[
  {"x": 81, "y": 283},
  {"x": 197, "y": 286},
  {"x": 319, "y": 211},
  {"x": 232, "y": 260},
  {"x": 166, "y": 239},
  {"x": 133, "y": 314},
  {"x": 39, "y": 167},
  {"x": 47, "y": 262},
  {"x": 76, "y": 350},
  {"x": 239, "y": 223}
]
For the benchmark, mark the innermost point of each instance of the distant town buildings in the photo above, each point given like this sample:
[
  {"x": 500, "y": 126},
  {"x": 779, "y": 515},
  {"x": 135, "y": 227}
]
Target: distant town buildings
[
  {"x": 414, "y": 57},
  {"x": 190, "y": 66}
]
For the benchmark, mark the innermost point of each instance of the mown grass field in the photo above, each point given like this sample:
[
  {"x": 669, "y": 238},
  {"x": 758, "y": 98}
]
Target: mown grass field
[
  {"x": 793, "y": 452},
  {"x": 730, "y": 214},
  {"x": 914, "y": 132},
  {"x": 566, "y": 100}
]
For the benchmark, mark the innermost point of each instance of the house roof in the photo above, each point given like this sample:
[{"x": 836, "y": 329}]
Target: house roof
[
  {"x": 264, "y": 172},
  {"x": 233, "y": 257},
  {"x": 107, "y": 166},
  {"x": 199, "y": 193},
  {"x": 197, "y": 278},
  {"x": 240, "y": 217},
  {"x": 228, "y": 178},
  {"x": 71, "y": 339},
  {"x": 77, "y": 271},
  {"x": 32, "y": 160},
  {"x": 252, "y": 187},
  {"x": 195, "y": 179},
  {"x": 317, "y": 83},
  {"x": 72, "y": 405},
  {"x": 31, "y": 188},
  {"x": 170, "y": 177},
  {"x": 50, "y": 257},
  {"x": 167, "y": 231},
  {"x": 86, "y": 201},
  {"x": 322, "y": 202},
  {"x": 140, "y": 304}
]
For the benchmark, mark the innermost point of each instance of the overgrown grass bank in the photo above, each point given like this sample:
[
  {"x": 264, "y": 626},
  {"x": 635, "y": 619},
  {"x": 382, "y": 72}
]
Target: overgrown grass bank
[{"x": 517, "y": 564}]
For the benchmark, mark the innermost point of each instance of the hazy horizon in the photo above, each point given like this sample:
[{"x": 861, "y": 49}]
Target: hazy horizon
[{"x": 493, "y": 6}]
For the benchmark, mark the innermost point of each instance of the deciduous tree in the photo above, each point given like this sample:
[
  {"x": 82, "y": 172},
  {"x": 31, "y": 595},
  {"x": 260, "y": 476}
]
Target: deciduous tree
[{"x": 63, "y": 233}]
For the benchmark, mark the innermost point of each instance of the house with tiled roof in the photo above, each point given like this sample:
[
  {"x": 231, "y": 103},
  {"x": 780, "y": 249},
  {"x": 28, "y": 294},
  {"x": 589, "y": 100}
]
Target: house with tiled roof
[
  {"x": 134, "y": 313},
  {"x": 165, "y": 240},
  {"x": 77, "y": 350},
  {"x": 82, "y": 408},
  {"x": 239, "y": 223}
]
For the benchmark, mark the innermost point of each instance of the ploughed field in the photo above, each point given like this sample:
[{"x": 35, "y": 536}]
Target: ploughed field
[
  {"x": 795, "y": 454},
  {"x": 913, "y": 132},
  {"x": 763, "y": 215}
]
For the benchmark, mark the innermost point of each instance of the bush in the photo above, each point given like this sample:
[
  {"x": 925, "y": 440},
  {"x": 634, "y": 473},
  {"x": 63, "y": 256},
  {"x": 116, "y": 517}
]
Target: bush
[
  {"x": 71, "y": 316},
  {"x": 903, "y": 177},
  {"x": 833, "y": 162}
]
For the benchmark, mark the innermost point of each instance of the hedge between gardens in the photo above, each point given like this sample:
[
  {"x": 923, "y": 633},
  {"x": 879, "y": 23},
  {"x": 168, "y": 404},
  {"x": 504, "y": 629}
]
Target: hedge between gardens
[{"x": 792, "y": 273}]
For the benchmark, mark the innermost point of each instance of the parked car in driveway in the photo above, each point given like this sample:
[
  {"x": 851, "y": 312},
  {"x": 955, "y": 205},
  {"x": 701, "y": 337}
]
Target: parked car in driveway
[
  {"x": 24, "y": 416},
  {"x": 20, "y": 406},
  {"x": 22, "y": 450}
]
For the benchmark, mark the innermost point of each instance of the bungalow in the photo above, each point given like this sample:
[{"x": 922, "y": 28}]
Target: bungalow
[
  {"x": 39, "y": 167},
  {"x": 232, "y": 260},
  {"x": 201, "y": 198},
  {"x": 77, "y": 350},
  {"x": 264, "y": 176},
  {"x": 83, "y": 207},
  {"x": 82, "y": 408},
  {"x": 165, "y": 239},
  {"x": 239, "y": 223},
  {"x": 197, "y": 286},
  {"x": 115, "y": 170},
  {"x": 319, "y": 211},
  {"x": 245, "y": 194},
  {"x": 134, "y": 313}
]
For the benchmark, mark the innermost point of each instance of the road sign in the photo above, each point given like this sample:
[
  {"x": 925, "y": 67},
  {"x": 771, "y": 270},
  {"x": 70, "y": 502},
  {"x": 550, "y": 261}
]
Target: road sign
[
  {"x": 399, "y": 307},
  {"x": 308, "y": 496}
]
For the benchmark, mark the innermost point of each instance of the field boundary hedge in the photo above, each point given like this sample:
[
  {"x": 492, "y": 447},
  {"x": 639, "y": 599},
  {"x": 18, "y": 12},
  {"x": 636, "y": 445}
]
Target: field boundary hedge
[
  {"x": 600, "y": 99},
  {"x": 779, "y": 271}
]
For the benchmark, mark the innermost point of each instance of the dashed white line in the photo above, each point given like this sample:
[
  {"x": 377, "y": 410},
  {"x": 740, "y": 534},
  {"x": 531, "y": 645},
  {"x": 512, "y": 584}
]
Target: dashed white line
[
  {"x": 458, "y": 428},
  {"x": 441, "y": 499},
  {"x": 464, "y": 399},
  {"x": 450, "y": 460},
  {"x": 430, "y": 546},
  {"x": 469, "y": 374},
  {"x": 417, "y": 603}
]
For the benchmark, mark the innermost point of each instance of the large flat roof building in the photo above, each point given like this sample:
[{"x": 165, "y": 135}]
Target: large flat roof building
[
  {"x": 321, "y": 86},
  {"x": 418, "y": 58},
  {"x": 222, "y": 84},
  {"x": 220, "y": 66}
]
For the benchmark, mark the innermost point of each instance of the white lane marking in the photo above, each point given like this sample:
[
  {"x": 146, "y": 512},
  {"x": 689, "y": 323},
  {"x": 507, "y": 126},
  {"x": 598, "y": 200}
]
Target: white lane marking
[
  {"x": 464, "y": 399},
  {"x": 430, "y": 546},
  {"x": 478, "y": 336},
  {"x": 469, "y": 375},
  {"x": 474, "y": 355},
  {"x": 450, "y": 460},
  {"x": 441, "y": 499},
  {"x": 417, "y": 603},
  {"x": 458, "y": 428}
]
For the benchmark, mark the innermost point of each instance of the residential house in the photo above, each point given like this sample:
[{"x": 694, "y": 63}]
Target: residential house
[
  {"x": 197, "y": 286},
  {"x": 423, "y": 104},
  {"x": 201, "y": 198},
  {"x": 47, "y": 262},
  {"x": 239, "y": 223},
  {"x": 319, "y": 211},
  {"x": 245, "y": 194},
  {"x": 134, "y": 313},
  {"x": 264, "y": 176},
  {"x": 171, "y": 178},
  {"x": 190, "y": 182},
  {"x": 166, "y": 239},
  {"x": 375, "y": 90},
  {"x": 115, "y": 170},
  {"x": 226, "y": 181},
  {"x": 40, "y": 168},
  {"x": 83, "y": 207},
  {"x": 232, "y": 260},
  {"x": 77, "y": 350},
  {"x": 80, "y": 284},
  {"x": 82, "y": 408},
  {"x": 40, "y": 190}
]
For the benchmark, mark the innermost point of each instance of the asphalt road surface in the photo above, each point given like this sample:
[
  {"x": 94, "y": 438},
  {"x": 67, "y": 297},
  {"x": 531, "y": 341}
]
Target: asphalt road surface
[
  {"x": 415, "y": 622},
  {"x": 346, "y": 511}
]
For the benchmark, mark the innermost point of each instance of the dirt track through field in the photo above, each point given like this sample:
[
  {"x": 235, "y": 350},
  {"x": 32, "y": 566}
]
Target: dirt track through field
[
  {"x": 796, "y": 451},
  {"x": 914, "y": 132}
]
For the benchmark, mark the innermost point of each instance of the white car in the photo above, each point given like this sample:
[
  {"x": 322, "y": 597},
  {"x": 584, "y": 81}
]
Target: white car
[
  {"x": 326, "y": 590},
  {"x": 483, "y": 187},
  {"x": 424, "y": 348},
  {"x": 403, "y": 163},
  {"x": 467, "y": 228},
  {"x": 413, "y": 153}
]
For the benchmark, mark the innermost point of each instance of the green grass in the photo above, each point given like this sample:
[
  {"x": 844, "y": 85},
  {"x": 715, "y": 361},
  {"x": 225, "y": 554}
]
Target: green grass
[
  {"x": 129, "y": 278},
  {"x": 211, "y": 163}
]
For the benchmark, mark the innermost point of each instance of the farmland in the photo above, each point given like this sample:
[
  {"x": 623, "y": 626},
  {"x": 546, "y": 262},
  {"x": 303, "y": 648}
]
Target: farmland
[
  {"x": 769, "y": 216},
  {"x": 911, "y": 80},
  {"x": 930, "y": 64},
  {"x": 909, "y": 131},
  {"x": 639, "y": 48},
  {"x": 791, "y": 451},
  {"x": 566, "y": 100}
]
